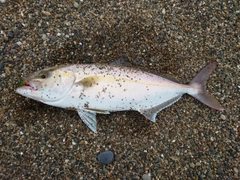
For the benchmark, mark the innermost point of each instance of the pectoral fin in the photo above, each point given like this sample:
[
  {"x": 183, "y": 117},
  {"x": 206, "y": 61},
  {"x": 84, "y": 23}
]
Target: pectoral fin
[
  {"x": 89, "y": 118},
  {"x": 151, "y": 113}
]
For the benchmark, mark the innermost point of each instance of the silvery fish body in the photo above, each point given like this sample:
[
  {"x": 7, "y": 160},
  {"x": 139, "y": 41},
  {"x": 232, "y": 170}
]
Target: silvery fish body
[{"x": 95, "y": 88}]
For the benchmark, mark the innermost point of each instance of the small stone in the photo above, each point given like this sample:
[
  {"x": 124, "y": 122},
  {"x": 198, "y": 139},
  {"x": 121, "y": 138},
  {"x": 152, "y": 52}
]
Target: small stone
[
  {"x": 220, "y": 170},
  {"x": 105, "y": 170},
  {"x": 19, "y": 43},
  {"x": 138, "y": 61},
  {"x": 105, "y": 157},
  {"x": 2, "y": 27},
  {"x": 11, "y": 123},
  {"x": 139, "y": 170},
  {"x": 192, "y": 165},
  {"x": 44, "y": 37},
  {"x": 116, "y": 159},
  {"x": 16, "y": 59},
  {"x": 163, "y": 11},
  {"x": 46, "y": 13},
  {"x": 76, "y": 5},
  {"x": 53, "y": 38},
  {"x": 235, "y": 169},
  {"x": 198, "y": 164},
  {"x": 146, "y": 177},
  {"x": 238, "y": 15},
  {"x": 10, "y": 34},
  {"x": 16, "y": 32},
  {"x": 223, "y": 117},
  {"x": 1, "y": 66}
]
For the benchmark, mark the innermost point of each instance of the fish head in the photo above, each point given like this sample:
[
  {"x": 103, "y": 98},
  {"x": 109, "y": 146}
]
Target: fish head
[{"x": 48, "y": 85}]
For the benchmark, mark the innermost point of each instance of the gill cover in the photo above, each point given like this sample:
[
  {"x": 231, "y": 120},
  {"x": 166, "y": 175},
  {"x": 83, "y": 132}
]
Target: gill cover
[{"x": 52, "y": 84}]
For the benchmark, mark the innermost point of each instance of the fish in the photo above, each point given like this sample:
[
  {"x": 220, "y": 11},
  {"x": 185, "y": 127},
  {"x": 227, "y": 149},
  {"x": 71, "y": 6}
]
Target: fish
[{"x": 92, "y": 89}]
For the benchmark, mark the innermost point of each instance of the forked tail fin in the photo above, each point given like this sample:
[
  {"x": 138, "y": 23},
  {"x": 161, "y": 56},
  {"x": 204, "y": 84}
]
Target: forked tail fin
[{"x": 199, "y": 82}]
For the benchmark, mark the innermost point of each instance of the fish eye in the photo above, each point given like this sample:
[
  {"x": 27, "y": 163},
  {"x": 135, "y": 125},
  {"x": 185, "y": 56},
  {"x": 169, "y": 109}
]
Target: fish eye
[{"x": 43, "y": 75}]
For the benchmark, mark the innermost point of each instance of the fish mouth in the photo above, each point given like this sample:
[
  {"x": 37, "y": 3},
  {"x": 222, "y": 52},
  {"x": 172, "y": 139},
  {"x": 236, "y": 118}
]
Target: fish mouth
[{"x": 29, "y": 85}]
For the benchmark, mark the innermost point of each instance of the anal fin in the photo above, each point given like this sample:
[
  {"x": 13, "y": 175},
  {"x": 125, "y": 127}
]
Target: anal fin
[
  {"x": 151, "y": 113},
  {"x": 89, "y": 118}
]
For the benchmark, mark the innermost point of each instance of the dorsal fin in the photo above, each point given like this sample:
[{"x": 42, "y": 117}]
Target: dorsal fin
[{"x": 122, "y": 61}]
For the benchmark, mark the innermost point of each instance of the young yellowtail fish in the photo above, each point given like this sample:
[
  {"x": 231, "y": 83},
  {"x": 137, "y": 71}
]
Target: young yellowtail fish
[{"x": 96, "y": 88}]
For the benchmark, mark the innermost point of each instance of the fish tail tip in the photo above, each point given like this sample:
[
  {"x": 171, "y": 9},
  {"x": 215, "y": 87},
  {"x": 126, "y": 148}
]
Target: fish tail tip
[
  {"x": 221, "y": 109},
  {"x": 199, "y": 82}
]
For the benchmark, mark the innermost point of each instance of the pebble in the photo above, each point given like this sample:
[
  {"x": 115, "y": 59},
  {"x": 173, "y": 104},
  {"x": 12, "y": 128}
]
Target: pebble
[
  {"x": 10, "y": 34},
  {"x": 16, "y": 32},
  {"x": 44, "y": 37},
  {"x": 138, "y": 61},
  {"x": 235, "y": 170},
  {"x": 105, "y": 157},
  {"x": 163, "y": 11},
  {"x": 220, "y": 170},
  {"x": 238, "y": 15},
  {"x": 19, "y": 43},
  {"x": 2, "y": 27},
  {"x": 53, "y": 38},
  {"x": 192, "y": 165},
  {"x": 223, "y": 117},
  {"x": 76, "y": 5},
  {"x": 146, "y": 177},
  {"x": 1, "y": 66}
]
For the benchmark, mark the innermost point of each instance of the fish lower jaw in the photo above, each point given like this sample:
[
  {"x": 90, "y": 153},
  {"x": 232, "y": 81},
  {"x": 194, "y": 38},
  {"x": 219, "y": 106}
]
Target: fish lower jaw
[{"x": 25, "y": 88}]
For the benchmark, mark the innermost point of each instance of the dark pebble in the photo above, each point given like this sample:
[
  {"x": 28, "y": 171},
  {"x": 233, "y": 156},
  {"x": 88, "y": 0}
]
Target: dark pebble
[
  {"x": 139, "y": 170},
  {"x": 220, "y": 53},
  {"x": 116, "y": 159},
  {"x": 2, "y": 27},
  {"x": 16, "y": 32},
  {"x": 138, "y": 61},
  {"x": 10, "y": 34},
  {"x": 1, "y": 66},
  {"x": 200, "y": 154},
  {"x": 220, "y": 170},
  {"x": 76, "y": 140},
  {"x": 16, "y": 59},
  {"x": 53, "y": 38},
  {"x": 19, "y": 25},
  {"x": 105, "y": 157},
  {"x": 238, "y": 15},
  {"x": 46, "y": 138}
]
